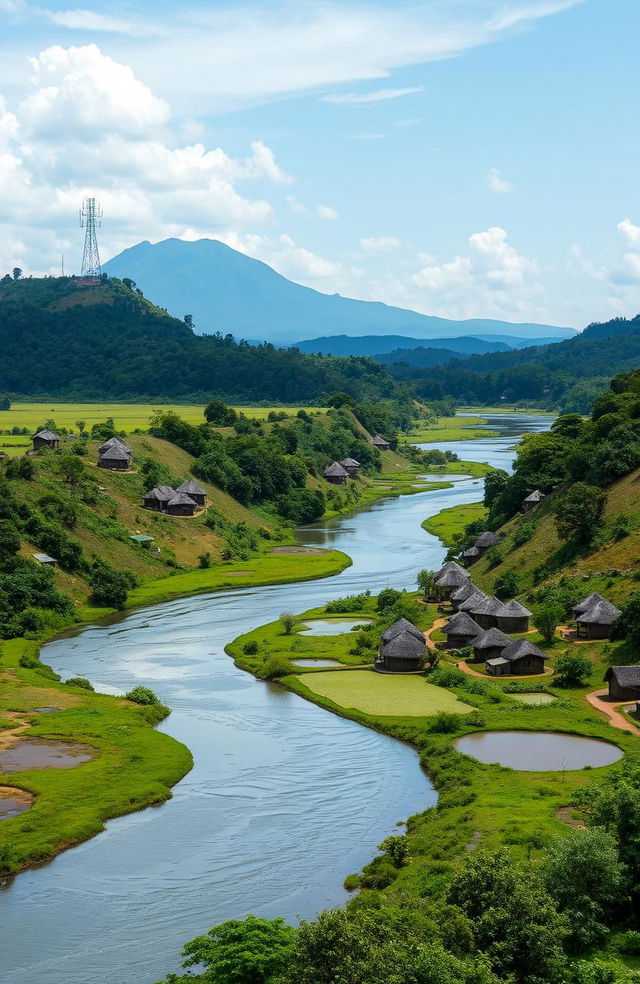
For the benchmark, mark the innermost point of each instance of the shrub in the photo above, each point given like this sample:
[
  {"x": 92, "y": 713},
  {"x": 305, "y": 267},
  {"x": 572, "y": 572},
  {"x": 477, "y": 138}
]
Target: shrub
[
  {"x": 507, "y": 585},
  {"x": 250, "y": 648},
  {"x": 444, "y": 723},
  {"x": 546, "y": 619},
  {"x": 523, "y": 534},
  {"x": 629, "y": 943},
  {"x": 29, "y": 662},
  {"x": 142, "y": 695},
  {"x": 387, "y": 598},
  {"x": 572, "y": 670},
  {"x": 204, "y": 560},
  {"x": 288, "y": 621},
  {"x": 80, "y": 682},
  {"x": 276, "y": 666},
  {"x": 397, "y": 847}
]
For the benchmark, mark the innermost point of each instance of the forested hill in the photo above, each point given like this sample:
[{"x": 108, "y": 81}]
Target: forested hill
[
  {"x": 62, "y": 337},
  {"x": 568, "y": 375}
]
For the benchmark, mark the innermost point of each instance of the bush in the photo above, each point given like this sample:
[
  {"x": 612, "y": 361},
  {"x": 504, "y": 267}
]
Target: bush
[
  {"x": 29, "y": 662},
  {"x": 629, "y": 943},
  {"x": 250, "y": 648},
  {"x": 109, "y": 586},
  {"x": 276, "y": 666},
  {"x": 351, "y": 603},
  {"x": 444, "y": 723},
  {"x": 80, "y": 682},
  {"x": 572, "y": 670},
  {"x": 142, "y": 695},
  {"x": 507, "y": 585},
  {"x": 387, "y": 598},
  {"x": 288, "y": 621}
]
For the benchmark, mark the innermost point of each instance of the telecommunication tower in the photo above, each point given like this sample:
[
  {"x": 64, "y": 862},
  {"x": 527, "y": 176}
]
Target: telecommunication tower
[{"x": 90, "y": 216}]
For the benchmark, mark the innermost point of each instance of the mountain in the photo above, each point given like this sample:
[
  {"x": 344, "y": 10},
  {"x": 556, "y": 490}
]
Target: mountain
[
  {"x": 229, "y": 292},
  {"x": 376, "y": 345},
  {"x": 62, "y": 336}
]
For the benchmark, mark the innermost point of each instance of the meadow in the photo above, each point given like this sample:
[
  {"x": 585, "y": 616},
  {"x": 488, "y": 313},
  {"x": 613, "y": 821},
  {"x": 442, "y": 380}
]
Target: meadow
[
  {"x": 451, "y": 429},
  {"x": 374, "y": 693}
]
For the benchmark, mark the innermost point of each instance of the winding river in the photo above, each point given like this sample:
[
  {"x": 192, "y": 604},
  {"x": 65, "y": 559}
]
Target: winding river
[{"x": 284, "y": 799}]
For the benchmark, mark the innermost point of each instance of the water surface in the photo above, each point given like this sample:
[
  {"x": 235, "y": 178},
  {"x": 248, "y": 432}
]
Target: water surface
[
  {"x": 331, "y": 627},
  {"x": 538, "y": 751},
  {"x": 44, "y": 753}
]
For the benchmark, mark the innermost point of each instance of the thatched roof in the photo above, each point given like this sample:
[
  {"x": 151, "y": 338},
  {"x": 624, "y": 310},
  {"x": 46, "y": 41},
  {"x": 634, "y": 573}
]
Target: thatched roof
[
  {"x": 350, "y": 463},
  {"x": 163, "y": 493},
  {"x": 451, "y": 565},
  {"x": 191, "y": 488},
  {"x": 535, "y": 497},
  {"x": 588, "y": 602},
  {"x": 452, "y": 579},
  {"x": 46, "y": 435},
  {"x": 487, "y": 539},
  {"x": 520, "y": 648},
  {"x": 335, "y": 471},
  {"x": 461, "y": 624},
  {"x": 402, "y": 625},
  {"x": 472, "y": 601},
  {"x": 471, "y": 552},
  {"x": 625, "y": 676},
  {"x": 376, "y": 439},
  {"x": 182, "y": 499},
  {"x": 491, "y": 639},
  {"x": 602, "y": 613},
  {"x": 513, "y": 609},
  {"x": 114, "y": 442},
  {"x": 487, "y": 606},
  {"x": 403, "y": 646},
  {"x": 464, "y": 591},
  {"x": 115, "y": 453}
]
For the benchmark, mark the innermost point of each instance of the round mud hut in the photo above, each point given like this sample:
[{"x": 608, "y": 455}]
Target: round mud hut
[
  {"x": 181, "y": 505},
  {"x": 513, "y": 617},
  {"x": 596, "y": 621},
  {"x": 115, "y": 458},
  {"x": 402, "y": 654},
  {"x": 461, "y": 631},
  {"x": 490, "y": 644},
  {"x": 486, "y": 612},
  {"x": 194, "y": 490}
]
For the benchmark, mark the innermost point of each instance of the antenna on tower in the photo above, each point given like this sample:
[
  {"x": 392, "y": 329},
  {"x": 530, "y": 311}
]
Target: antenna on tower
[{"x": 90, "y": 216}]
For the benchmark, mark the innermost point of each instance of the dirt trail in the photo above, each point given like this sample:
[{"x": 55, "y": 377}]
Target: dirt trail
[{"x": 616, "y": 718}]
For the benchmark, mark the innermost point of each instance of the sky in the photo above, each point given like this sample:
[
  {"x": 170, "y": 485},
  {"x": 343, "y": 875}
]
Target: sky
[{"x": 465, "y": 158}]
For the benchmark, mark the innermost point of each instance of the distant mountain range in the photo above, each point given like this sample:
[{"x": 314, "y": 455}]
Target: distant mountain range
[
  {"x": 226, "y": 291},
  {"x": 383, "y": 347}
]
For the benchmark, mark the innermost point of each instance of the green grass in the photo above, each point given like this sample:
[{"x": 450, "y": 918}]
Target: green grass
[
  {"x": 378, "y": 694},
  {"x": 135, "y": 765},
  {"x": 451, "y": 429},
  {"x": 449, "y": 523}
]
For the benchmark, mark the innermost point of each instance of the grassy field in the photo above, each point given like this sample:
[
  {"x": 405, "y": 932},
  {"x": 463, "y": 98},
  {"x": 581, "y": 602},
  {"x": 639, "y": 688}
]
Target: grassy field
[
  {"x": 448, "y": 523},
  {"x": 134, "y": 767},
  {"x": 384, "y": 696},
  {"x": 451, "y": 429}
]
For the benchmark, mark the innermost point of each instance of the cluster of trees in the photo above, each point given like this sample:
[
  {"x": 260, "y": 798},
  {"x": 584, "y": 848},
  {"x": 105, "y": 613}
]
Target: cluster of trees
[{"x": 111, "y": 343}]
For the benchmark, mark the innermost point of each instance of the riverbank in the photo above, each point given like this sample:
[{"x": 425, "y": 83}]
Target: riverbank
[
  {"x": 452, "y": 429},
  {"x": 452, "y": 522}
]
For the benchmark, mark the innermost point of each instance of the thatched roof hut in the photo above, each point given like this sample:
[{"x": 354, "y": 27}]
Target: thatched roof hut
[
  {"x": 624, "y": 682},
  {"x": 461, "y": 631},
  {"x": 462, "y": 593},
  {"x": 513, "y": 617},
  {"x": 158, "y": 498},
  {"x": 490, "y": 644},
  {"x": 451, "y": 565},
  {"x": 588, "y": 602},
  {"x": 486, "y": 540},
  {"x": 402, "y": 625},
  {"x": 181, "y": 505},
  {"x": 597, "y": 620},
  {"x": 380, "y": 443},
  {"x": 447, "y": 583},
  {"x": 45, "y": 439},
  {"x": 520, "y": 658},
  {"x": 470, "y": 554},
  {"x": 470, "y": 603},
  {"x": 402, "y": 654},
  {"x": 485, "y": 612},
  {"x": 115, "y": 458},
  {"x": 194, "y": 490},
  {"x": 114, "y": 442},
  {"x": 351, "y": 466},
  {"x": 336, "y": 474},
  {"x": 532, "y": 500}
]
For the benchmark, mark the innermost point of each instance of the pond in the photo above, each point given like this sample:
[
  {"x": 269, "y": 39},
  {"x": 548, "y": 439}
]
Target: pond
[
  {"x": 44, "y": 753},
  {"x": 535, "y": 700},
  {"x": 331, "y": 627},
  {"x": 13, "y": 802},
  {"x": 316, "y": 662},
  {"x": 538, "y": 751}
]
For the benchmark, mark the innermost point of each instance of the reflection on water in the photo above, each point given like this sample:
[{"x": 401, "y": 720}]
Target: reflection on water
[
  {"x": 538, "y": 751},
  {"x": 284, "y": 799},
  {"x": 330, "y": 627}
]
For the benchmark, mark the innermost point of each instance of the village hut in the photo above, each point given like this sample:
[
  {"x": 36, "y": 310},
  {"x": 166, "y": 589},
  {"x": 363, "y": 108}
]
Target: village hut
[
  {"x": 462, "y": 593},
  {"x": 597, "y": 620},
  {"x": 451, "y": 565},
  {"x": 115, "y": 458},
  {"x": 624, "y": 682},
  {"x": 158, "y": 498},
  {"x": 142, "y": 540},
  {"x": 461, "y": 631},
  {"x": 513, "y": 617},
  {"x": 181, "y": 505},
  {"x": 472, "y": 601},
  {"x": 448, "y": 582},
  {"x": 194, "y": 490},
  {"x": 336, "y": 474},
  {"x": 402, "y": 625},
  {"x": 402, "y": 654},
  {"x": 380, "y": 443},
  {"x": 114, "y": 442},
  {"x": 45, "y": 559},
  {"x": 520, "y": 658},
  {"x": 45, "y": 439},
  {"x": 532, "y": 500},
  {"x": 588, "y": 602},
  {"x": 485, "y": 612},
  {"x": 470, "y": 554},
  {"x": 351, "y": 466},
  {"x": 485, "y": 541},
  {"x": 490, "y": 644}
]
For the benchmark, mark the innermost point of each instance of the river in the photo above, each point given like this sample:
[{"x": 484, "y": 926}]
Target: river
[{"x": 284, "y": 800}]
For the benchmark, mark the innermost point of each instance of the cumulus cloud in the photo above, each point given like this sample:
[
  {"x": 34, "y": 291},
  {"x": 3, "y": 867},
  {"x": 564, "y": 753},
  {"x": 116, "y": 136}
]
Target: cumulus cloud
[
  {"x": 630, "y": 231},
  {"x": 284, "y": 254},
  {"x": 360, "y": 98},
  {"x": 324, "y": 212},
  {"x": 380, "y": 244},
  {"x": 495, "y": 182}
]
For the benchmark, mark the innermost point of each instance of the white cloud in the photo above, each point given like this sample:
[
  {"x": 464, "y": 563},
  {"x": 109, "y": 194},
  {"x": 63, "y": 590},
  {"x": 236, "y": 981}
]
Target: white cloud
[
  {"x": 380, "y": 244},
  {"x": 630, "y": 231},
  {"x": 296, "y": 205},
  {"x": 495, "y": 182},
  {"x": 360, "y": 98},
  {"x": 410, "y": 122},
  {"x": 324, "y": 212},
  {"x": 288, "y": 258},
  {"x": 88, "y": 20}
]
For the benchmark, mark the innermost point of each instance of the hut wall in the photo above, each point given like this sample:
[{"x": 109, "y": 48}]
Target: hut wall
[
  {"x": 513, "y": 624},
  {"x": 184, "y": 509},
  {"x": 459, "y": 641},
  {"x": 114, "y": 464},
  {"x": 593, "y": 631},
  {"x": 485, "y": 621},
  {"x": 401, "y": 665},
  {"x": 619, "y": 692},
  {"x": 336, "y": 479},
  {"x": 526, "y": 665},
  {"x": 39, "y": 442},
  {"x": 152, "y": 504},
  {"x": 484, "y": 654},
  {"x": 502, "y": 670}
]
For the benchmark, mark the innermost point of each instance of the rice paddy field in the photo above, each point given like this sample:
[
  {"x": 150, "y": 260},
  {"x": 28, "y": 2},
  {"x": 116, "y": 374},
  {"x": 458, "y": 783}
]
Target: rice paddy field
[{"x": 380, "y": 694}]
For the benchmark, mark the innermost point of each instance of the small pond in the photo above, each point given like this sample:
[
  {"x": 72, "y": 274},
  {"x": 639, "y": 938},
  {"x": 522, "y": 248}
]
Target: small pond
[
  {"x": 43, "y": 753},
  {"x": 538, "y": 751},
  {"x": 331, "y": 627},
  {"x": 537, "y": 700},
  {"x": 13, "y": 802},
  {"x": 443, "y": 477},
  {"x": 316, "y": 662}
]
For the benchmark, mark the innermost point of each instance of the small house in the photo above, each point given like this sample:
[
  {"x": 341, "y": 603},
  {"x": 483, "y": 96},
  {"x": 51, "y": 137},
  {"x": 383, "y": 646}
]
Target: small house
[
  {"x": 588, "y": 602},
  {"x": 181, "y": 505},
  {"x": 470, "y": 554},
  {"x": 461, "y": 631},
  {"x": 403, "y": 653},
  {"x": 447, "y": 583},
  {"x": 451, "y": 565},
  {"x": 532, "y": 500},
  {"x": 115, "y": 458},
  {"x": 402, "y": 625},
  {"x": 513, "y": 617},
  {"x": 380, "y": 443},
  {"x": 462, "y": 593},
  {"x": 351, "y": 466},
  {"x": 472, "y": 601},
  {"x": 114, "y": 442},
  {"x": 490, "y": 644},
  {"x": 45, "y": 559},
  {"x": 45, "y": 439},
  {"x": 485, "y": 541},
  {"x": 158, "y": 498},
  {"x": 520, "y": 658},
  {"x": 624, "y": 682},
  {"x": 336, "y": 474},
  {"x": 597, "y": 620},
  {"x": 485, "y": 612},
  {"x": 194, "y": 490}
]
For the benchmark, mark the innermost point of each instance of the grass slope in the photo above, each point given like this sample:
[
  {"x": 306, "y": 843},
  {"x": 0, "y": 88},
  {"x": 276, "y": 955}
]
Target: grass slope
[{"x": 449, "y": 523}]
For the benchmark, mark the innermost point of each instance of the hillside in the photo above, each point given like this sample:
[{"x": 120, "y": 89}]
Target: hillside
[
  {"x": 228, "y": 291},
  {"x": 376, "y": 346},
  {"x": 62, "y": 337}
]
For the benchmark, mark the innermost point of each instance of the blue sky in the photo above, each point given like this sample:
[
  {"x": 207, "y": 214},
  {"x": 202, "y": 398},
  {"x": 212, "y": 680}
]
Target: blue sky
[{"x": 467, "y": 158}]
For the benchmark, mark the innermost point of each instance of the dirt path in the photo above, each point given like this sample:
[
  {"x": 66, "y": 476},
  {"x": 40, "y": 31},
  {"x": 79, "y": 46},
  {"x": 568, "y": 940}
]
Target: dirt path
[
  {"x": 616, "y": 718},
  {"x": 439, "y": 622},
  {"x": 569, "y": 635},
  {"x": 516, "y": 676}
]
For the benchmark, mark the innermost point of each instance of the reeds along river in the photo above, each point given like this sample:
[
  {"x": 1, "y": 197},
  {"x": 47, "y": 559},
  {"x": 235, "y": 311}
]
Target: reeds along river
[{"x": 284, "y": 800}]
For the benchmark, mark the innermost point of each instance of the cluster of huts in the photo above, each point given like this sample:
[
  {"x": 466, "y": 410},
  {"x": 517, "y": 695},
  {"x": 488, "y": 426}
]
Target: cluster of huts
[
  {"x": 340, "y": 472},
  {"x": 186, "y": 500},
  {"x": 115, "y": 455},
  {"x": 594, "y": 616},
  {"x": 402, "y": 648},
  {"x": 485, "y": 541}
]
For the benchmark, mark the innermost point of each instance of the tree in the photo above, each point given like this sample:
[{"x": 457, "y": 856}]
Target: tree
[
  {"x": 387, "y": 598},
  {"x": 109, "y": 586},
  {"x": 16, "y": 273},
  {"x": 507, "y": 585},
  {"x": 5, "y": 402},
  {"x": 9, "y": 540},
  {"x": 494, "y": 483},
  {"x": 217, "y": 412},
  {"x": 188, "y": 320},
  {"x": 340, "y": 400},
  {"x": 81, "y": 424},
  {"x": 579, "y": 511},
  {"x": 288, "y": 621},
  {"x": 426, "y": 582},
  {"x": 572, "y": 670},
  {"x": 547, "y": 618},
  {"x": 583, "y": 873},
  {"x": 142, "y": 695},
  {"x": 397, "y": 847},
  {"x": 71, "y": 468},
  {"x": 247, "y": 951},
  {"x": 627, "y": 625}
]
